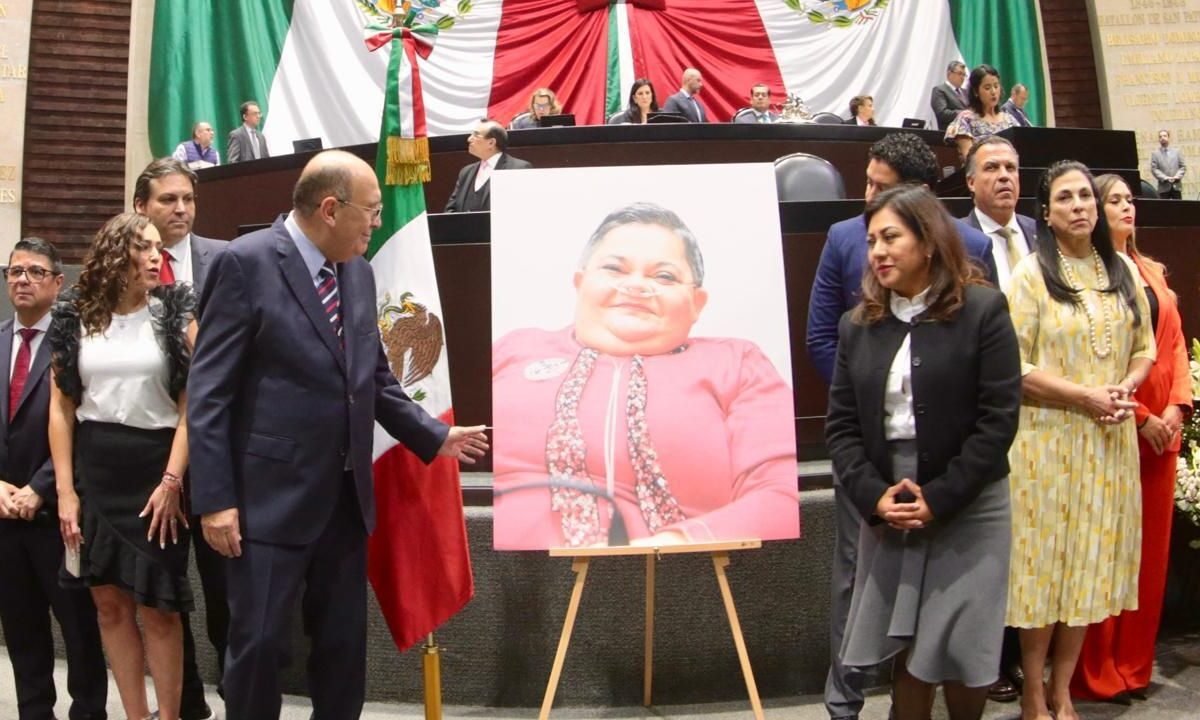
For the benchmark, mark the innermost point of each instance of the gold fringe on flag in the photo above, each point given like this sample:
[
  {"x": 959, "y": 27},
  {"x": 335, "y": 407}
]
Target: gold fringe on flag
[{"x": 407, "y": 160}]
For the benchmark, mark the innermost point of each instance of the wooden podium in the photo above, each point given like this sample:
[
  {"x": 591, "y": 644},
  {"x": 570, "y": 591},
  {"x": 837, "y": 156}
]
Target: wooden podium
[{"x": 581, "y": 557}]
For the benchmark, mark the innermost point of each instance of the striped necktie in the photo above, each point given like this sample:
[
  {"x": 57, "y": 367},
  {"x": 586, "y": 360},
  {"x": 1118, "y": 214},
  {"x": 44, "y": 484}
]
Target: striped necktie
[{"x": 327, "y": 290}]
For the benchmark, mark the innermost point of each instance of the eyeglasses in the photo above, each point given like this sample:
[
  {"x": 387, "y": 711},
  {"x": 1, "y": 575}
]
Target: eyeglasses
[
  {"x": 541, "y": 106},
  {"x": 35, "y": 273},
  {"x": 374, "y": 212},
  {"x": 645, "y": 287}
]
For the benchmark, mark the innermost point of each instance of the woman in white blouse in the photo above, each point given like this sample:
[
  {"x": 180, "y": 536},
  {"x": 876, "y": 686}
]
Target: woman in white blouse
[
  {"x": 120, "y": 346},
  {"x": 923, "y": 406}
]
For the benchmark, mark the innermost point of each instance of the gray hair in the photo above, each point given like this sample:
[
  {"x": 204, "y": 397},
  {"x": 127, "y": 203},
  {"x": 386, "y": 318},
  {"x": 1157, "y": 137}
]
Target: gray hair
[
  {"x": 646, "y": 213},
  {"x": 955, "y": 65},
  {"x": 988, "y": 140},
  {"x": 38, "y": 246}
]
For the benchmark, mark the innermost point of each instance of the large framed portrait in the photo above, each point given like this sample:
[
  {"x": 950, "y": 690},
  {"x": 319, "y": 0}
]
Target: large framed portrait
[{"x": 641, "y": 362}]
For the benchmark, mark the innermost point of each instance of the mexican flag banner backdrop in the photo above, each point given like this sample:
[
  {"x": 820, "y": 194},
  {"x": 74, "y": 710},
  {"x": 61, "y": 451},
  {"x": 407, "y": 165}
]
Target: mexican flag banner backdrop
[{"x": 306, "y": 64}]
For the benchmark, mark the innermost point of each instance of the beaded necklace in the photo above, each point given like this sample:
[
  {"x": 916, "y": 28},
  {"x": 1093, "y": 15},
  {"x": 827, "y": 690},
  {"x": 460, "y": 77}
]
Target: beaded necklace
[{"x": 1074, "y": 283}]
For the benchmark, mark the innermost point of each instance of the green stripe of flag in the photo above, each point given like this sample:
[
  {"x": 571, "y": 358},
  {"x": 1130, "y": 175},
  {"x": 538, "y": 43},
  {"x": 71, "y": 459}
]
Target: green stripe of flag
[
  {"x": 612, "y": 90},
  {"x": 208, "y": 57}
]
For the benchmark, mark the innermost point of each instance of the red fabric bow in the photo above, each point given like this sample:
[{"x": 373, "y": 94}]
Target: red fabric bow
[{"x": 590, "y": 5}]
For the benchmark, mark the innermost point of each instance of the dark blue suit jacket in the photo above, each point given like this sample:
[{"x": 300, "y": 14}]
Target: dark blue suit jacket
[
  {"x": 25, "y": 442},
  {"x": 681, "y": 105},
  {"x": 838, "y": 283},
  {"x": 276, "y": 410}
]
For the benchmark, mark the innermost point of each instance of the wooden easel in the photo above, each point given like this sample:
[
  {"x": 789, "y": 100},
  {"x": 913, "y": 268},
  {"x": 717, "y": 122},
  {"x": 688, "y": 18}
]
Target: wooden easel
[{"x": 720, "y": 557}]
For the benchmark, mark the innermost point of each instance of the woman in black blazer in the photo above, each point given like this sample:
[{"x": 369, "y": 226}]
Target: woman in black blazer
[{"x": 923, "y": 407}]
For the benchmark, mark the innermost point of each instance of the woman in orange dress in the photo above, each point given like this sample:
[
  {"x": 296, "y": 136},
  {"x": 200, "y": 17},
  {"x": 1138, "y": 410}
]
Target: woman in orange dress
[{"x": 1118, "y": 654}]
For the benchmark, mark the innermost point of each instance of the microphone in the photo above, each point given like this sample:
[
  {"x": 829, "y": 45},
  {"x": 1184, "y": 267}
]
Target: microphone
[{"x": 618, "y": 534}]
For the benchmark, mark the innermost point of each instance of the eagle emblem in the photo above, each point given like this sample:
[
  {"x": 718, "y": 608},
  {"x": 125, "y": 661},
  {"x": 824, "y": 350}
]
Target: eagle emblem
[
  {"x": 412, "y": 338},
  {"x": 838, "y": 13}
]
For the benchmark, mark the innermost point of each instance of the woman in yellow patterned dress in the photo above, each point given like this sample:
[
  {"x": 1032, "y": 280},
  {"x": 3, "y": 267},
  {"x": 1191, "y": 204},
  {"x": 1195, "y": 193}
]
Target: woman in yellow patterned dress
[{"x": 1083, "y": 324}]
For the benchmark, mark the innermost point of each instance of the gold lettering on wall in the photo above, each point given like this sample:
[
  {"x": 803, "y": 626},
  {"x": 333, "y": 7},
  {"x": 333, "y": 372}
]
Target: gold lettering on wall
[
  {"x": 3, "y": 52},
  {"x": 1, "y": 95},
  {"x": 8, "y": 173},
  {"x": 8, "y": 196},
  {"x": 1151, "y": 58},
  {"x": 3, "y": 10}
]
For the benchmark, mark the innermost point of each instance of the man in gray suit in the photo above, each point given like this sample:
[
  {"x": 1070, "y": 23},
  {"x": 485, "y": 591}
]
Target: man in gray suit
[
  {"x": 1166, "y": 164},
  {"x": 760, "y": 107},
  {"x": 949, "y": 98},
  {"x": 166, "y": 193},
  {"x": 247, "y": 143},
  {"x": 685, "y": 102},
  {"x": 1015, "y": 105}
]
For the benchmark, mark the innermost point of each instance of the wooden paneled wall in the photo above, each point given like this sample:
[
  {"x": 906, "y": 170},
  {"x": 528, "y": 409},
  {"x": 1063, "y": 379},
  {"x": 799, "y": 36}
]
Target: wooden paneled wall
[
  {"x": 75, "y": 120},
  {"x": 1073, "y": 81}
]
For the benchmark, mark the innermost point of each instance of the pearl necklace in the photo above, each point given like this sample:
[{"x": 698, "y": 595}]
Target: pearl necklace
[{"x": 1074, "y": 283}]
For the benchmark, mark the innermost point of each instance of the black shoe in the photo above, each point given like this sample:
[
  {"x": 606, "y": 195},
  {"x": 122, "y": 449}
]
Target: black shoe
[
  {"x": 1123, "y": 698},
  {"x": 204, "y": 713},
  {"x": 1016, "y": 676},
  {"x": 1003, "y": 691},
  {"x": 1140, "y": 694}
]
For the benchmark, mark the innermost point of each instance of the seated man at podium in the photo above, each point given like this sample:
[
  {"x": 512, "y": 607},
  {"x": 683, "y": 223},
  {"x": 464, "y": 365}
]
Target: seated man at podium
[
  {"x": 760, "y": 107},
  {"x": 199, "y": 151},
  {"x": 626, "y": 417}
]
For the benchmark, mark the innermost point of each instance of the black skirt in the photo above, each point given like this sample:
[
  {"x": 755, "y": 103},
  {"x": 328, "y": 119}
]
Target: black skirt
[{"x": 116, "y": 469}]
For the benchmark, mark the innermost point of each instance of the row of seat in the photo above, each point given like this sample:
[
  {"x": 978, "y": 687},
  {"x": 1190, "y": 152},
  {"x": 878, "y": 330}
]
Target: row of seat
[{"x": 821, "y": 118}]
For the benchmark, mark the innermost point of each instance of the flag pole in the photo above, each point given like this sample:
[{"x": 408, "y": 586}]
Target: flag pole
[{"x": 432, "y": 662}]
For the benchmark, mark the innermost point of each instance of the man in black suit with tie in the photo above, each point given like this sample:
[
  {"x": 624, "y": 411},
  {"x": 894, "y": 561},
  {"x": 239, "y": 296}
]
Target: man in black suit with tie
[
  {"x": 473, "y": 190},
  {"x": 166, "y": 193},
  {"x": 685, "y": 102},
  {"x": 950, "y": 98},
  {"x": 31, "y": 547},
  {"x": 246, "y": 142},
  {"x": 1015, "y": 105},
  {"x": 993, "y": 178},
  {"x": 287, "y": 382}
]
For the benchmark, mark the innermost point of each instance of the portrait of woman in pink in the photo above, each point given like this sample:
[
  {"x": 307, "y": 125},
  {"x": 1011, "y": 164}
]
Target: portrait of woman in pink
[{"x": 686, "y": 438}]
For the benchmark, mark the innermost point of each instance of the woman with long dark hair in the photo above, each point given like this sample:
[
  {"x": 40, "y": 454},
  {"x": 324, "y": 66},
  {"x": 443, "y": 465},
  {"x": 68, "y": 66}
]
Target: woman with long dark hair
[
  {"x": 642, "y": 102},
  {"x": 1083, "y": 322},
  {"x": 1118, "y": 653},
  {"x": 120, "y": 347},
  {"x": 984, "y": 116},
  {"x": 922, "y": 409}
]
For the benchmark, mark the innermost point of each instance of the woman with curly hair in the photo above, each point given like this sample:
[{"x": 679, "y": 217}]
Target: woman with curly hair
[{"x": 120, "y": 348}]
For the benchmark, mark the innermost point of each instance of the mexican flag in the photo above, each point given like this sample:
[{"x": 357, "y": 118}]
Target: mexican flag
[
  {"x": 305, "y": 63},
  {"x": 418, "y": 560}
]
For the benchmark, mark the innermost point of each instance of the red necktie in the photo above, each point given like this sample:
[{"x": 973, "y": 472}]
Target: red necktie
[
  {"x": 166, "y": 275},
  {"x": 21, "y": 371}
]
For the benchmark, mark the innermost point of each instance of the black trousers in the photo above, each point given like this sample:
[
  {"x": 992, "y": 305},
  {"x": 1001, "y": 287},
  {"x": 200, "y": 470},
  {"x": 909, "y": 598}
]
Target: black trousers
[
  {"x": 216, "y": 617},
  {"x": 329, "y": 578},
  {"x": 30, "y": 556},
  {"x": 1171, "y": 195}
]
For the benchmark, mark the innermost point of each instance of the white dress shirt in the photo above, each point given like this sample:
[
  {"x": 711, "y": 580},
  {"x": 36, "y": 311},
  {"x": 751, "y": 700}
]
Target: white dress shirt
[
  {"x": 181, "y": 260},
  {"x": 899, "y": 423},
  {"x": 991, "y": 228},
  {"x": 41, "y": 326}
]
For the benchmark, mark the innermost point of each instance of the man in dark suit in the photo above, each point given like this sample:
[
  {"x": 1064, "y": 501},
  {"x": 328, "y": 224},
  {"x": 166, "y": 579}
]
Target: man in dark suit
[
  {"x": 1015, "y": 104},
  {"x": 896, "y": 159},
  {"x": 950, "y": 98},
  {"x": 685, "y": 102},
  {"x": 31, "y": 547},
  {"x": 993, "y": 177},
  {"x": 166, "y": 193},
  {"x": 287, "y": 382},
  {"x": 473, "y": 189},
  {"x": 246, "y": 142},
  {"x": 760, "y": 107}
]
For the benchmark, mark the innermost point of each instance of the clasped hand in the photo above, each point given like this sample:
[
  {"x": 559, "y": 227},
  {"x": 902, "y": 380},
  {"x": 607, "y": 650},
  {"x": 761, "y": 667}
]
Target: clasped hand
[
  {"x": 912, "y": 515},
  {"x": 1160, "y": 431},
  {"x": 1108, "y": 404},
  {"x": 18, "y": 503}
]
